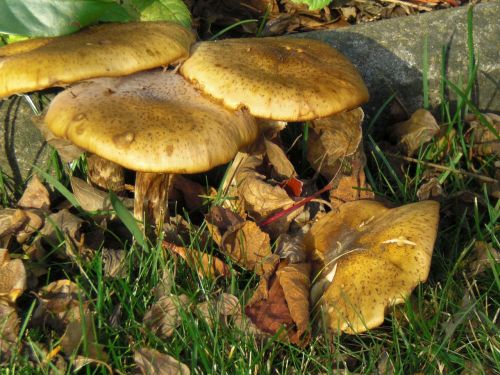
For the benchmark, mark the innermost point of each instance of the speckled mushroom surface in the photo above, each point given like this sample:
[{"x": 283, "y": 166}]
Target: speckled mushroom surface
[
  {"x": 276, "y": 78},
  {"x": 104, "y": 50},
  {"x": 369, "y": 257},
  {"x": 150, "y": 122}
]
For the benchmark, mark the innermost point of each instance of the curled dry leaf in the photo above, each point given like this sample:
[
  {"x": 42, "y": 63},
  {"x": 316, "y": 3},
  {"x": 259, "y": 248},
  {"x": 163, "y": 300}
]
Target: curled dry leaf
[
  {"x": 431, "y": 189},
  {"x": 242, "y": 241},
  {"x": 482, "y": 258},
  {"x": 280, "y": 163},
  {"x": 11, "y": 221},
  {"x": 12, "y": 277},
  {"x": 164, "y": 316},
  {"x": 62, "y": 225},
  {"x": 61, "y": 302},
  {"x": 205, "y": 264},
  {"x": 334, "y": 140},
  {"x": 9, "y": 330},
  {"x": 89, "y": 197},
  {"x": 261, "y": 199},
  {"x": 292, "y": 248},
  {"x": 224, "y": 306},
  {"x": 368, "y": 257},
  {"x": 416, "y": 131},
  {"x": 152, "y": 362},
  {"x": 282, "y": 303},
  {"x": 35, "y": 195},
  {"x": 114, "y": 264},
  {"x": 485, "y": 141},
  {"x": 66, "y": 150},
  {"x": 33, "y": 224}
]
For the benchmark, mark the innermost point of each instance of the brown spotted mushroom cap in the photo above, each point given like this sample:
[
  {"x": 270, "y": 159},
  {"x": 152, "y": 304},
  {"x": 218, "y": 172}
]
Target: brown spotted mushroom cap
[
  {"x": 369, "y": 257},
  {"x": 150, "y": 122},
  {"x": 104, "y": 50},
  {"x": 276, "y": 78}
]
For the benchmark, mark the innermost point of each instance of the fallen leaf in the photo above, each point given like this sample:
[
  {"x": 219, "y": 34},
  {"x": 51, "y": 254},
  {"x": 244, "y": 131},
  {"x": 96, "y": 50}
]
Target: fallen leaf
[
  {"x": 416, "y": 131},
  {"x": 292, "y": 248},
  {"x": 35, "y": 195},
  {"x": 191, "y": 191},
  {"x": 243, "y": 242},
  {"x": 205, "y": 264},
  {"x": 59, "y": 226},
  {"x": 485, "y": 142},
  {"x": 9, "y": 330},
  {"x": 80, "y": 337},
  {"x": 280, "y": 163},
  {"x": 114, "y": 264},
  {"x": 483, "y": 257},
  {"x": 12, "y": 277},
  {"x": 152, "y": 362},
  {"x": 89, "y": 197},
  {"x": 11, "y": 221},
  {"x": 66, "y": 150},
  {"x": 285, "y": 304},
  {"x": 163, "y": 317},
  {"x": 212, "y": 311},
  {"x": 333, "y": 140},
  {"x": 261, "y": 199},
  {"x": 431, "y": 189}
]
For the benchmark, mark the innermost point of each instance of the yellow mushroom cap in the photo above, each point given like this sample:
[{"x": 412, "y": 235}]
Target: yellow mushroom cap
[
  {"x": 150, "y": 122},
  {"x": 372, "y": 258},
  {"x": 276, "y": 78},
  {"x": 104, "y": 50}
]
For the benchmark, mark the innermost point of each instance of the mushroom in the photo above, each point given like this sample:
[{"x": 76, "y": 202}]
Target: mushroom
[
  {"x": 368, "y": 257},
  {"x": 105, "y": 50},
  {"x": 276, "y": 78},
  {"x": 154, "y": 123}
]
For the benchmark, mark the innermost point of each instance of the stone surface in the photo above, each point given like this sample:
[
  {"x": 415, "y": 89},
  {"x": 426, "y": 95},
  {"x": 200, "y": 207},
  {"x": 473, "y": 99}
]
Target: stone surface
[
  {"x": 389, "y": 54},
  {"x": 21, "y": 144}
]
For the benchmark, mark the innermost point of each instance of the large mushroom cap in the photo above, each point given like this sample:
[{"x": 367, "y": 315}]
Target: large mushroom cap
[
  {"x": 105, "y": 50},
  {"x": 277, "y": 78},
  {"x": 150, "y": 122},
  {"x": 371, "y": 257}
]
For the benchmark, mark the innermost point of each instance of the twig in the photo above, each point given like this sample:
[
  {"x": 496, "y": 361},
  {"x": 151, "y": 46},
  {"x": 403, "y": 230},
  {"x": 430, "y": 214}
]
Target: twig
[
  {"x": 443, "y": 168},
  {"x": 411, "y": 5}
]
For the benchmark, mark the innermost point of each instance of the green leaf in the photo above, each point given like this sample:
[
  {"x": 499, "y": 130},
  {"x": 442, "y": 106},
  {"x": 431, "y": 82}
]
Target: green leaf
[
  {"x": 314, "y": 4},
  {"x": 38, "y": 18},
  {"x": 160, "y": 10}
]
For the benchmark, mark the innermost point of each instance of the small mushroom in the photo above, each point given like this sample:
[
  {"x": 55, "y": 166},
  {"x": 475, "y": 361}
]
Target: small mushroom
[
  {"x": 276, "y": 78},
  {"x": 154, "y": 123},
  {"x": 105, "y": 50},
  {"x": 368, "y": 257}
]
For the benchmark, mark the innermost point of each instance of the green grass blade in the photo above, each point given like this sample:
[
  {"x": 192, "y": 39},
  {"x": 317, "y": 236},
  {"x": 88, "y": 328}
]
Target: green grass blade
[
  {"x": 128, "y": 220},
  {"x": 59, "y": 187},
  {"x": 230, "y": 27}
]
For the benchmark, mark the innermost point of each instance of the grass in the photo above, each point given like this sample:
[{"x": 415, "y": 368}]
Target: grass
[{"x": 449, "y": 324}]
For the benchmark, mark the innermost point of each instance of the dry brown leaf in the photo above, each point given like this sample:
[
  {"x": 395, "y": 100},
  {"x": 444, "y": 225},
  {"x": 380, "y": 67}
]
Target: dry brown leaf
[
  {"x": 485, "y": 141},
  {"x": 351, "y": 188},
  {"x": 66, "y": 150},
  {"x": 33, "y": 224},
  {"x": 205, "y": 264},
  {"x": 12, "y": 277},
  {"x": 191, "y": 191},
  {"x": 61, "y": 302},
  {"x": 152, "y": 362},
  {"x": 431, "y": 189},
  {"x": 280, "y": 163},
  {"x": 163, "y": 317},
  {"x": 285, "y": 303},
  {"x": 114, "y": 264},
  {"x": 11, "y": 221},
  {"x": 333, "y": 141},
  {"x": 89, "y": 197},
  {"x": 35, "y": 195},
  {"x": 224, "y": 306},
  {"x": 80, "y": 337},
  {"x": 59, "y": 226},
  {"x": 261, "y": 199},
  {"x": 292, "y": 248},
  {"x": 9, "y": 330},
  {"x": 416, "y": 131},
  {"x": 482, "y": 258},
  {"x": 243, "y": 242}
]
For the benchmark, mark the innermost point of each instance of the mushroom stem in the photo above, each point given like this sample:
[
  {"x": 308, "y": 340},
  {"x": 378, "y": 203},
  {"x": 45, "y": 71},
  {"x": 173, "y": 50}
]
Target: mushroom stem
[
  {"x": 150, "y": 200},
  {"x": 105, "y": 174}
]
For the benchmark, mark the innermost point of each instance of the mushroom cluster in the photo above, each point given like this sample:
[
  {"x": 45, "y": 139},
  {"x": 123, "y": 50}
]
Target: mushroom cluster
[{"x": 131, "y": 111}]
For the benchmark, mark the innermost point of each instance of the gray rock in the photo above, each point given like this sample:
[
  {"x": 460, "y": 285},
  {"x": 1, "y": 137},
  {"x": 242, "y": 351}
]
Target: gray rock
[
  {"x": 21, "y": 143},
  {"x": 389, "y": 54}
]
